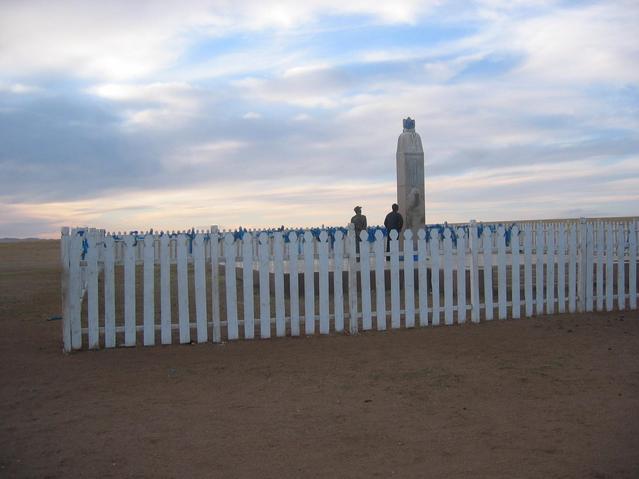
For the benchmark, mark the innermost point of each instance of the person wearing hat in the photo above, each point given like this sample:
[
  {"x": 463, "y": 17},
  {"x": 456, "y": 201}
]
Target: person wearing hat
[{"x": 359, "y": 220}]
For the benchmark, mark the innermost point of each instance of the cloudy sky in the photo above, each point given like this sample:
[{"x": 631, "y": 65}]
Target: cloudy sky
[{"x": 173, "y": 114}]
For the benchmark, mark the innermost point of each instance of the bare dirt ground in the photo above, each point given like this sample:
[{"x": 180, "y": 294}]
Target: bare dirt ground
[{"x": 534, "y": 398}]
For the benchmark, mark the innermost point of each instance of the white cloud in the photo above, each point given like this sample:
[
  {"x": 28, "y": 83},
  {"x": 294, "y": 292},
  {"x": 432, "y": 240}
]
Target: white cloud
[
  {"x": 18, "y": 88},
  {"x": 211, "y": 153},
  {"x": 251, "y": 115},
  {"x": 585, "y": 45},
  {"x": 163, "y": 105},
  {"x": 122, "y": 40},
  {"x": 302, "y": 117},
  {"x": 173, "y": 92}
]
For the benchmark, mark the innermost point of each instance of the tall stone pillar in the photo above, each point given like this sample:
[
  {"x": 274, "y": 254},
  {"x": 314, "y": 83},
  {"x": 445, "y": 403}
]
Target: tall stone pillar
[{"x": 410, "y": 177}]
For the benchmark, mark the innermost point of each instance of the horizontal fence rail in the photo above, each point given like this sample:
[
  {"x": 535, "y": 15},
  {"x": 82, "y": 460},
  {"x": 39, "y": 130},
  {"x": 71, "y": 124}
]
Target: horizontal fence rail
[{"x": 131, "y": 289}]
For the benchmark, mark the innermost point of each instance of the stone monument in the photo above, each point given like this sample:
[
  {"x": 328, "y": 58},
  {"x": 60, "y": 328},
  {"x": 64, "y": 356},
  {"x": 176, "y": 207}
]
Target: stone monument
[{"x": 410, "y": 177}]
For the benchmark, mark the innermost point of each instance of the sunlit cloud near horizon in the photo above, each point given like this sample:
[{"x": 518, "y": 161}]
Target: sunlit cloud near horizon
[{"x": 130, "y": 116}]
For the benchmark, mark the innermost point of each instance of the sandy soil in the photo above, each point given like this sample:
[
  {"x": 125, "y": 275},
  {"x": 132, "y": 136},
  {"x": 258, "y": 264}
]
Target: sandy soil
[{"x": 546, "y": 397}]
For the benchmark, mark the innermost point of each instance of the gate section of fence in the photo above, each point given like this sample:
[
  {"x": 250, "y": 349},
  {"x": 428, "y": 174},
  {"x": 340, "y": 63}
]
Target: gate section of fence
[{"x": 132, "y": 289}]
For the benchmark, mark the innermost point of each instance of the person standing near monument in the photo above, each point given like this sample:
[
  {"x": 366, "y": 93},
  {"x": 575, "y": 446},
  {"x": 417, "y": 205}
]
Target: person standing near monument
[
  {"x": 359, "y": 221},
  {"x": 393, "y": 221}
]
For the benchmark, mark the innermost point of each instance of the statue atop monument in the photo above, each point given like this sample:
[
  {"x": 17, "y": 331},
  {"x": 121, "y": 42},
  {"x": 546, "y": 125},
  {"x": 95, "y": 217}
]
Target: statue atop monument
[
  {"x": 409, "y": 124},
  {"x": 410, "y": 177}
]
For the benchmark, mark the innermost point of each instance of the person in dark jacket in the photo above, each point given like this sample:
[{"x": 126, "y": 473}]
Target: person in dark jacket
[
  {"x": 359, "y": 220},
  {"x": 393, "y": 221}
]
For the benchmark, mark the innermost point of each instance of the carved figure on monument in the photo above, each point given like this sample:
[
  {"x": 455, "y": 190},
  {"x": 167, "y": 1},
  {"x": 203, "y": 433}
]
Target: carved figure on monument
[
  {"x": 410, "y": 177},
  {"x": 415, "y": 216}
]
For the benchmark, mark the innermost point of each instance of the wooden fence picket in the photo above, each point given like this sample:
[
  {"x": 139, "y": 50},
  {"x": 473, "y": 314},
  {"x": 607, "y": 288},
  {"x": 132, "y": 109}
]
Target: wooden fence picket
[
  {"x": 487, "y": 244},
  {"x": 199, "y": 271},
  {"x": 409, "y": 280},
  {"x": 265, "y": 292},
  {"x": 365, "y": 273},
  {"x": 599, "y": 248},
  {"x": 621, "y": 273},
  {"x": 183, "y": 290},
  {"x": 609, "y": 258},
  {"x": 92, "y": 292},
  {"x": 293, "y": 283},
  {"x": 129, "y": 291},
  {"x": 632, "y": 265},
  {"x": 322, "y": 248},
  {"x": 352, "y": 280},
  {"x": 474, "y": 272},
  {"x": 338, "y": 287},
  {"x": 65, "y": 242},
  {"x": 214, "y": 256},
  {"x": 561, "y": 269},
  {"x": 231, "y": 291},
  {"x": 149, "y": 291},
  {"x": 165, "y": 290},
  {"x": 528, "y": 285},
  {"x": 380, "y": 288},
  {"x": 501, "y": 273},
  {"x": 394, "y": 279},
  {"x": 247, "y": 286},
  {"x": 278, "y": 270},
  {"x": 589, "y": 266},
  {"x": 461, "y": 276},
  {"x": 550, "y": 269},
  {"x": 422, "y": 277},
  {"x": 572, "y": 269},
  {"x": 75, "y": 291},
  {"x": 448, "y": 277},
  {"x": 434, "y": 276},
  {"x": 582, "y": 244},
  {"x": 309, "y": 285},
  {"x": 539, "y": 270},
  {"x": 515, "y": 277},
  {"x": 109, "y": 292}
]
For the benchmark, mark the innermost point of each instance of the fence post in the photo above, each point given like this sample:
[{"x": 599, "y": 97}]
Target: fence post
[
  {"x": 74, "y": 296},
  {"x": 581, "y": 260},
  {"x": 338, "y": 303},
  {"x": 64, "y": 281},
  {"x": 474, "y": 271},
  {"x": 352, "y": 279}
]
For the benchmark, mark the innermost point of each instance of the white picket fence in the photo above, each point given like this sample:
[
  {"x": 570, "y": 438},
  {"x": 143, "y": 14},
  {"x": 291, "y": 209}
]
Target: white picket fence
[{"x": 290, "y": 285}]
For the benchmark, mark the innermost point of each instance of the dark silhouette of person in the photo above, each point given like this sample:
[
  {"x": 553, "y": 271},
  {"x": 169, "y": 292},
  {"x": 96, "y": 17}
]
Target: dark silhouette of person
[
  {"x": 393, "y": 221},
  {"x": 359, "y": 221}
]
